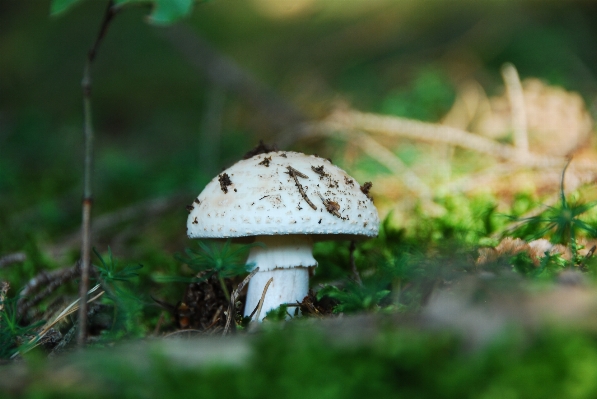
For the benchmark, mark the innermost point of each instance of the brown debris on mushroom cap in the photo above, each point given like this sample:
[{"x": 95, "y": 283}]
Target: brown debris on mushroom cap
[
  {"x": 294, "y": 173},
  {"x": 225, "y": 181},
  {"x": 319, "y": 170},
  {"x": 261, "y": 148},
  {"x": 265, "y": 161},
  {"x": 331, "y": 206},
  {"x": 190, "y": 208},
  {"x": 365, "y": 188}
]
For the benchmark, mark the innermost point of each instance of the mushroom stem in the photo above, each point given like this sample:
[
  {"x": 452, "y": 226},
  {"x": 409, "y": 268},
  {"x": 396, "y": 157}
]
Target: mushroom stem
[{"x": 287, "y": 259}]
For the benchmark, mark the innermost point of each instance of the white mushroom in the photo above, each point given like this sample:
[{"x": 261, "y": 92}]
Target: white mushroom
[{"x": 286, "y": 200}]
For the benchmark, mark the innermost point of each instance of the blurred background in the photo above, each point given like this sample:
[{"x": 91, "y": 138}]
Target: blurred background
[{"x": 168, "y": 117}]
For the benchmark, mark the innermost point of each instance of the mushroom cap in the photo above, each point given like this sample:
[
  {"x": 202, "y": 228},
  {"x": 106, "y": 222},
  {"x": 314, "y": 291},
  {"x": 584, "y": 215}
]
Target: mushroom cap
[{"x": 260, "y": 196}]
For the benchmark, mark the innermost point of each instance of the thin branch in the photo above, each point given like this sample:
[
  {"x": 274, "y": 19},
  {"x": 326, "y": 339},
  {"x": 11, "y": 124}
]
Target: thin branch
[
  {"x": 294, "y": 173},
  {"x": 87, "y": 191},
  {"x": 517, "y": 107},
  {"x": 9, "y": 259}
]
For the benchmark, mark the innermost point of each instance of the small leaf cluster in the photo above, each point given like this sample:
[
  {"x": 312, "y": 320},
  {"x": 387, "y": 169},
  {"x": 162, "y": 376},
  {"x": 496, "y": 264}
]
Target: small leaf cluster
[
  {"x": 561, "y": 222},
  {"x": 127, "y": 306},
  {"x": 13, "y": 335},
  {"x": 278, "y": 314},
  {"x": 213, "y": 259},
  {"x": 354, "y": 297},
  {"x": 109, "y": 273}
]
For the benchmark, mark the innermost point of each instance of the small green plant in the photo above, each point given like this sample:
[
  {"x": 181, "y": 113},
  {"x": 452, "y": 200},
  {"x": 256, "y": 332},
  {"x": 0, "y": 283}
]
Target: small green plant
[
  {"x": 13, "y": 336},
  {"x": 562, "y": 221},
  {"x": 109, "y": 273},
  {"x": 221, "y": 261},
  {"x": 354, "y": 297},
  {"x": 127, "y": 306}
]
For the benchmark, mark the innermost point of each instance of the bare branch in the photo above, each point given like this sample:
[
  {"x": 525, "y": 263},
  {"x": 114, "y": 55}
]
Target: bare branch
[
  {"x": 262, "y": 300},
  {"x": 87, "y": 191}
]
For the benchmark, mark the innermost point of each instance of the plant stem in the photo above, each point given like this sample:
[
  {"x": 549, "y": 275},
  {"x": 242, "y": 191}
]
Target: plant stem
[
  {"x": 353, "y": 267},
  {"x": 87, "y": 191}
]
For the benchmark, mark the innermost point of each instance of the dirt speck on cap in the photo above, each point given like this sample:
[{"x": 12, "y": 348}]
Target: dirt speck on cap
[
  {"x": 224, "y": 182},
  {"x": 265, "y": 161}
]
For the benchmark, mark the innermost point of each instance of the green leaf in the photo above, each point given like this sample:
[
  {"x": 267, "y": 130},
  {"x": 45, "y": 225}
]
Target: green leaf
[{"x": 59, "y": 6}]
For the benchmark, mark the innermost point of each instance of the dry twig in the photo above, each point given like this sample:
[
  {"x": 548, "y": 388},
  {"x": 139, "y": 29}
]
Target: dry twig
[
  {"x": 233, "y": 298},
  {"x": 429, "y": 132},
  {"x": 70, "y": 309},
  {"x": 260, "y": 305},
  {"x": 294, "y": 173}
]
